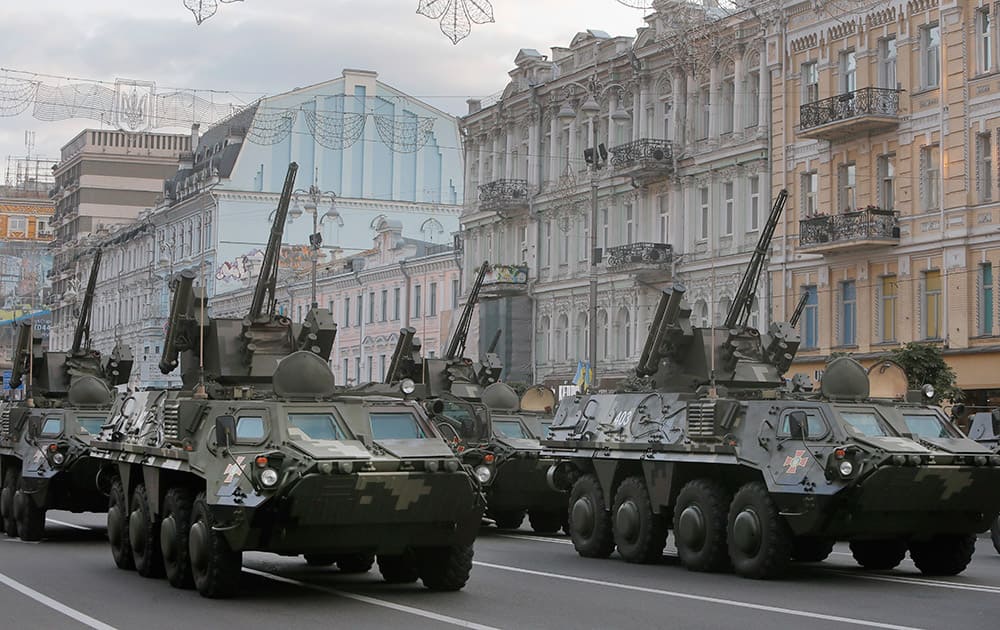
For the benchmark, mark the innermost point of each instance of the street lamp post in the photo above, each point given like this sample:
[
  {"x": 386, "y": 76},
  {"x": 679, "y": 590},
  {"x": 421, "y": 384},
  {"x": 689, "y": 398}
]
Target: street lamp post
[{"x": 310, "y": 200}]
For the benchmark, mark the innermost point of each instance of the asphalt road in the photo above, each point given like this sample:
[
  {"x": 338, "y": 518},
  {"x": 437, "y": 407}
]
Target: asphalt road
[{"x": 519, "y": 581}]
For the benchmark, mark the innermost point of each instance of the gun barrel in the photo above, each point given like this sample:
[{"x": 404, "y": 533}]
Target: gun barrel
[
  {"x": 22, "y": 353},
  {"x": 403, "y": 347},
  {"x": 83, "y": 323},
  {"x": 179, "y": 307},
  {"x": 665, "y": 318},
  {"x": 496, "y": 340},
  {"x": 739, "y": 312},
  {"x": 456, "y": 347},
  {"x": 268, "y": 277},
  {"x": 801, "y": 306}
]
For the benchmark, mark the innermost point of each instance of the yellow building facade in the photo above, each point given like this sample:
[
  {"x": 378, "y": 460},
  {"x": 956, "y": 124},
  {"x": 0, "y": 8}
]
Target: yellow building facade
[{"x": 885, "y": 126}]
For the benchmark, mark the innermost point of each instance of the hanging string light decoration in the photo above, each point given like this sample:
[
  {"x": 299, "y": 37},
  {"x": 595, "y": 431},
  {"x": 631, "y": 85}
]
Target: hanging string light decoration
[
  {"x": 270, "y": 127},
  {"x": 335, "y": 130},
  {"x": 16, "y": 95},
  {"x": 339, "y": 130},
  {"x": 637, "y": 4},
  {"x": 204, "y": 9},
  {"x": 457, "y": 16}
]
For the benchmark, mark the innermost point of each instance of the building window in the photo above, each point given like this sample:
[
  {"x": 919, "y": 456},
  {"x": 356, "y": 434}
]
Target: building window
[
  {"x": 887, "y": 308},
  {"x": 848, "y": 72},
  {"x": 381, "y": 366},
  {"x": 930, "y": 56},
  {"x": 703, "y": 214},
  {"x": 887, "y": 63},
  {"x": 704, "y": 122},
  {"x": 605, "y": 228},
  {"x": 361, "y": 308},
  {"x": 330, "y": 308},
  {"x": 753, "y": 94},
  {"x": 887, "y": 181},
  {"x": 930, "y": 177},
  {"x": 663, "y": 205},
  {"x": 848, "y": 313},
  {"x": 985, "y": 314},
  {"x": 357, "y": 369},
  {"x": 810, "y": 192},
  {"x": 728, "y": 100},
  {"x": 810, "y": 318},
  {"x": 728, "y": 208},
  {"x": 753, "y": 221},
  {"x": 371, "y": 307},
  {"x": 810, "y": 82},
  {"x": 565, "y": 228},
  {"x": 17, "y": 224},
  {"x": 848, "y": 184},
  {"x": 395, "y": 304},
  {"x": 347, "y": 312},
  {"x": 932, "y": 305},
  {"x": 416, "y": 301},
  {"x": 299, "y": 313},
  {"x": 546, "y": 243},
  {"x": 347, "y": 370},
  {"x": 629, "y": 225},
  {"x": 371, "y": 368},
  {"x": 385, "y": 304},
  {"x": 454, "y": 293},
  {"x": 984, "y": 39},
  {"x": 584, "y": 231},
  {"x": 984, "y": 166},
  {"x": 433, "y": 297}
]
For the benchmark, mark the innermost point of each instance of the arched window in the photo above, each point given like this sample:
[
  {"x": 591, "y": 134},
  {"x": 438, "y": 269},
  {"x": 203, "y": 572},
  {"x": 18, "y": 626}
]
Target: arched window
[
  {"x": 542, "y": 336},
  {"x": 665, "y": 104},
  {"x": 602, "y": 334},
  {"x": 623, "y": 326},
  {"x": 562, "y": 338},
  {"x": 755, "y": 314},
  {"x": 722, "y": 310},
  {"x": 582, "y": 333},
  {"x": 726, "y": 107},
  {"x": 753, "y": 91},
  {"x": 701, "y": 314}
]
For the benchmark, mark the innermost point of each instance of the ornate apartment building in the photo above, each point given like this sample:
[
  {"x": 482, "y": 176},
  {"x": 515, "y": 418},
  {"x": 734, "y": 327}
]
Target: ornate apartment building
[
  {"x": 885, "y": 131},
  {"x": 681, "y": 111}
]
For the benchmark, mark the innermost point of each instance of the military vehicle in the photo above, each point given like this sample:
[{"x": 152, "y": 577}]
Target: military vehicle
[
  {"x": 750, "y": 472},
  {"x": 260, "y": 451},
  {"x": 45, "y": 439},
  {"x": 486, "y": 422},
  {"x": 984, "y": 427}
]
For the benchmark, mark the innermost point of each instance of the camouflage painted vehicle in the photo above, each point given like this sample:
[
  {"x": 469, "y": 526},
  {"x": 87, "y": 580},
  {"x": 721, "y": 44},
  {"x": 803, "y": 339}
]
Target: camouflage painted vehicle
[
  {"x": 484, "y": 421},
  {"x": 45, "y": 461},
  {"x": 260, "y": 451},
  {"x": 984, "y": 427},
  {"x": 750, "y": 473}
]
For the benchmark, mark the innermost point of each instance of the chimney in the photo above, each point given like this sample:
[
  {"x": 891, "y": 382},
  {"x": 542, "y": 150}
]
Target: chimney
[
  {"x": 194, "y": 136},
  {"x": 474, "y": 105}
]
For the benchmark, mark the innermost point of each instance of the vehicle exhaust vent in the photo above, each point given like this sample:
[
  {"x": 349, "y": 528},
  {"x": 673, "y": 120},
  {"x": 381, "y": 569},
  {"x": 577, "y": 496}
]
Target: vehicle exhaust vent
[
  {"x": 171, "y": 420},
  {"x": 701, "y": 419},
  {"x": 4, "y": 421}
]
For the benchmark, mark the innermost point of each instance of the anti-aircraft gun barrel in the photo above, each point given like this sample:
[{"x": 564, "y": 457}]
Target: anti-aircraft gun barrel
[
  {"x": 739, "y": 312},
  {"x": 83, "y": 323},
  {"x": 456, "y": 348},
  {"x": 664, "y": 319},
  {"x": 797, "y": 313},
  {"x": 496, "y": 339},
  {"x": 404, "y": 347},
  {"x": 268, "y": 277},
  {"x": 22, "y": 354},
  {"x": 179, "y": 307}
]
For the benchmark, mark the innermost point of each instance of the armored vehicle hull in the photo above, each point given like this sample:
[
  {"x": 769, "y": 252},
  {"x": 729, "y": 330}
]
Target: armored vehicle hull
[{"x": 752, "y": 484}]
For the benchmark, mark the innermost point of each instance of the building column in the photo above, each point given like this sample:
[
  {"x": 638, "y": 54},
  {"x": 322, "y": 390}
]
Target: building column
[
  {"x": 764, "y": 89},
  {"x": 483, "y": 175},
  {"x": 636, "y": 110},
  {"x": 643, "y": 105},
  {"x": 713, "y": 102},
  {"x": 495, "y": 161},
  {"x": 508, "y": 170},
  {"x": 680, "y": 87},
  {"x": 533, "y": 149},
  {"x": 574, "y": 126},
  {"x": 739, "y": 95},
  {"x": 691, "y": 119},
  {"x": 554, "y": 148}
]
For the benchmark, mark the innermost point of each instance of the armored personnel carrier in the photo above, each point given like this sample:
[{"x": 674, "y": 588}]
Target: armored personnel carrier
[
  {"x": 750, "y": 472},
  {"x": 45, "y": 440},
  {"x": 484, "y": 419},
  {"x": 260, "y": 451},
  {"x": 984, "y": 427}
]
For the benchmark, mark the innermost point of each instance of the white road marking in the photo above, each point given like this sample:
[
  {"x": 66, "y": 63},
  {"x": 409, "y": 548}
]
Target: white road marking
[
  {"x": 65, "y": 524},
  {"x": 561, "y": 541},
  {"x": 702, "y": 598},
  {"x": 454, "y": 621},
  {"x": 982, "y": 588},
  {"x": 23, "y": 542},
  {"x": 45, "y": 600}
]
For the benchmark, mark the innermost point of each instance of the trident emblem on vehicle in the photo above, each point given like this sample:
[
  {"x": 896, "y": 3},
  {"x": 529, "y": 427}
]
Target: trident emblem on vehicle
[
  {"x": 792, "y": 464},
  {"x": 234, "y": 469}
]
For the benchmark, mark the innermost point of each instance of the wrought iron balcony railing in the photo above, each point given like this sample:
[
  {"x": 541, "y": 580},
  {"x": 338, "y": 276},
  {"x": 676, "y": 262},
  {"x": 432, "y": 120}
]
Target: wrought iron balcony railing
[
  {"x": 864, "y": 226},
  {"x": 639, "y": 256},
  {"x": 503, "y": 193},
  {"x": 644, "y": 153},
  {"x": 876, "y": 107}
]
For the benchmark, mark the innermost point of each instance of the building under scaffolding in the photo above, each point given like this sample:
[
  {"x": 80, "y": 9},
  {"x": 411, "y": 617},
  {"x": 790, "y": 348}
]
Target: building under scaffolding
[{"x": 28, "y": 177}]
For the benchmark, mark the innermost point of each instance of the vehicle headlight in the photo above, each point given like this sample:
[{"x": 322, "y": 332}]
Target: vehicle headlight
[
  {"x": 432, "y": 466},
  {"x": 451, "y": 465},
  {"x": 326, "y": 467},
  {"x": 407, "y": 386},
  {"x": 928, "y": 391},
  {"x": 483, "y": 473},
  {"x": 898, "y": 459},
  {"x": 269, "y": 477},
  {"x": 846, "y": 468},
  {"x": 914, "y": 460},
  {"x": 58, "y": 458},
  {"x": 345, "y": 467}
]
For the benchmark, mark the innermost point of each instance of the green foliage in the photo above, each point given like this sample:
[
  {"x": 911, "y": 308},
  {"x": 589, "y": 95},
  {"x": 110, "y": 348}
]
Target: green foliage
[
  {"x": 518, "y": 387},
  {"x": 635, "y": 383},
  {"x": 924, "y": 363}
]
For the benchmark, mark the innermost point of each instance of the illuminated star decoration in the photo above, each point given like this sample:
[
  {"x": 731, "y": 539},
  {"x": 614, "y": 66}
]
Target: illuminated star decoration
[
  {"x": 457, "y": 16},
  {"x": 204, "y": 9}
]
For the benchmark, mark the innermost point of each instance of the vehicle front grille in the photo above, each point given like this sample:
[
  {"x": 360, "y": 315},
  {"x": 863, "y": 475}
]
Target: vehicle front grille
[{"x": 701, "y": 419}]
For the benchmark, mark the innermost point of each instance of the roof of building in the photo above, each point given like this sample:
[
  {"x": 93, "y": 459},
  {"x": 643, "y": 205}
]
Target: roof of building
[{"x": 21, "y": 207}]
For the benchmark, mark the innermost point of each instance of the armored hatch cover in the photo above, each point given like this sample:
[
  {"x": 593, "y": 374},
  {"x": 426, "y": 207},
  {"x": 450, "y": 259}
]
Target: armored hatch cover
[
  {"x": 538, "y": 399},
  {"x": 500, "y": 396},
  {"x": 845, "y": 379},
  {"x": 887, "y": 379},
  {"x": 303, "y": 375},
  {"x": 89, "y": 391}
]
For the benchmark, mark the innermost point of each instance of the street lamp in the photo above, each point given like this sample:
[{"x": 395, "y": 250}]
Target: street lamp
[{"x": 311, "y": 200}]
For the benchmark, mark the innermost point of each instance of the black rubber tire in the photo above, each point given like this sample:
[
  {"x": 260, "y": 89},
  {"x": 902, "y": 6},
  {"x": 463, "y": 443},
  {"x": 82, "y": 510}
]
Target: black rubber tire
[
  {"x": 702, "y": 504},
  {"x": 545, "y": 522},
  {"x": 444, "y": 568},
  {"x": 320, "y": 559},
  {"x": 7, "y": 503},
  {"x": 590, "y": 521},
  {"x": 769, "y": 555},
  {"x": 174, "y": 530},
  {"x": 995, "y": 534},
  {"x": 945, "y": 554},
  {"x": 30, "y": 518},
  {"x": 811, "y": 548},
  {"x": 511, "y": 519},
  {"x": 398, "y": 569},
  {"x": 121, "y": 549},
  {"x": 215, "y": 566},
  {"x": 356, "y": 562},
  {"x": 3, "y": 481},
  {"x": 144, "y": 535},
  {"x": 878, "y": 555},
  {"x": 641, "y": 541}
]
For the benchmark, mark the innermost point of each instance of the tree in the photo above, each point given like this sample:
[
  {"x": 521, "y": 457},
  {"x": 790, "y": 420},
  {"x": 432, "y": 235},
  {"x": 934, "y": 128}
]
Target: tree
[{"x": 924, "y": 363}]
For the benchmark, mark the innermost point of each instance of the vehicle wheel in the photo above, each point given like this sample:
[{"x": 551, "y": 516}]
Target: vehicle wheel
[
  {"x": 444, "y": 568},
  {"x": 995, "y": 534},
  {"x": 639, "y": 534},
  {"x": 759, "y": 539},
  {"x": 3, "y": 507},
  {"x": 7, "y": 503},
  {"x": 399, "y": 569},
  {"x": 590, "y": 522},
  {"x": 545, "y": 522},
  {"x": 356, "y": 562},
  {"x": 811, "y": 548},
  {"x": 508, "y": 519},
  {"x": 214, "y": 565},
  {"x": 878, "y": 555},
  {"x": 700, "y": 522},
  {"x": 144, "y": 536},
  {"x": 946, "y": 554},
  {"x": 320, "y": 559},
  {"x": 121, "y": 549},
  {"x": 174, "y": 530},
  {"x": 30, "y": 517}
]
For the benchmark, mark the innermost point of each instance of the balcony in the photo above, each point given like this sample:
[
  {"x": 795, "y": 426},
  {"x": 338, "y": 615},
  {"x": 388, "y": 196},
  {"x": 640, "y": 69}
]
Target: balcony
[
  {"x": 861, "y": 112},
  {"x": 644, "y": 159},
  {"x": 865, "y": 228},
  {"x": 504, "y": 196},
  {"x": 504, "y": 280},
  {"x": 640, "y": 257}
]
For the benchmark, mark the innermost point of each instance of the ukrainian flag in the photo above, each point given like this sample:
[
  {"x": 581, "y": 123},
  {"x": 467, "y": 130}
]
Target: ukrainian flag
[{"x": 583, "y": 375}]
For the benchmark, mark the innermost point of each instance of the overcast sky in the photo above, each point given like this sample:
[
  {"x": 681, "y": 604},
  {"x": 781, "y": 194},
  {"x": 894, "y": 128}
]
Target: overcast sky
[{"x": 259, "y": 47}]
